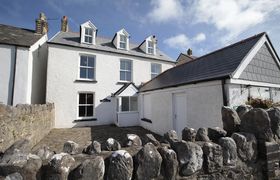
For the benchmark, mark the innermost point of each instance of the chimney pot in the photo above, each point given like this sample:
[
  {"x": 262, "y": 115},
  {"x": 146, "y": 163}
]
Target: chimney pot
[
  {"x": 189, "y": 52},
  {"x": 42, "y": 24},
  {"x": 64, "y": 24}
]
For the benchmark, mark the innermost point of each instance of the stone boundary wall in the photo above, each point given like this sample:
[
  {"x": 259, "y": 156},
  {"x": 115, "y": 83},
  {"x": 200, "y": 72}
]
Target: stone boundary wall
[{"x": 31, "y": 122}]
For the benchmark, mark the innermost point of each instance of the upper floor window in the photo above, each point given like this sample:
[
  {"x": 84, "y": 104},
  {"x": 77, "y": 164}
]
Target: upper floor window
[
  {"x": 88, "y": 35},
  {"x": 150, "y": 47},
  {"x": 123, "y": 40},
  {"x": 126, "y": 70},
  {"x": 86, "y": 105},
  {"x": 155, "y": 69},
  {"x": 87, "y": 67}
]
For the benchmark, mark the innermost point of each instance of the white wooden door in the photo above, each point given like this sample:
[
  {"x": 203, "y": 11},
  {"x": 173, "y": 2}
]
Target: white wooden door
[{"x": 179, "y": 113}]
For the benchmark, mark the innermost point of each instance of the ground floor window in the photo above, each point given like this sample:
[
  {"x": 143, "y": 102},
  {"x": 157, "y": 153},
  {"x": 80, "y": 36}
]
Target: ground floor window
[
  {"x": 86, "y": 105},
  {"x": 128, "y": 103}
]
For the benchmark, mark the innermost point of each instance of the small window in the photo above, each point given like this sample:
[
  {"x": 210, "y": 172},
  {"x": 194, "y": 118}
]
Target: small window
[
  {"x": 126, "y": 70},
  {"x": 129, "y": 103},
  {"x": 150, "y": 47},
  {"x": 87, "y": 67},
  {"x": 86, "y": 105},
  {"x": 123, "y": 40},
  {"x": 155, "y": 69},
  {"x": 88, "y": 35}
]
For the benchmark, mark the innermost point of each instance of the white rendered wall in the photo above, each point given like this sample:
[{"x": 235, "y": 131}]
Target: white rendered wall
[
  {"x": 203, "y": 108},
  {"x": 7, "y": 60},
  {"x": 63, "y": 68},
  {"x": 126, "y": 119}
]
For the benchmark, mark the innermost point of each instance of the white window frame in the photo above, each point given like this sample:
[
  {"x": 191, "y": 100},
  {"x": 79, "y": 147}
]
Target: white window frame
[
  {"x": 78, "y": 105},
  {"x": 123, "y": 42},
  {"x": 150, "y": 48},
  {"x": 129, "y": 104},
  {"x": 154, "y": 74},
  {"x": 88, "y": 67},
  {"x": 88, "y": 35},
  {"x": 125, "y": 70}
]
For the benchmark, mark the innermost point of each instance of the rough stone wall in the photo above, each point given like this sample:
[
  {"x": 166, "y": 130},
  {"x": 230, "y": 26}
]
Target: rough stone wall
[{"x": 25, "y": 121}]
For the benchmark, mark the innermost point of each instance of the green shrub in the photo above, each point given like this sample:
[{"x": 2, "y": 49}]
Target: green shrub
[{"x": 260, "y": 103}]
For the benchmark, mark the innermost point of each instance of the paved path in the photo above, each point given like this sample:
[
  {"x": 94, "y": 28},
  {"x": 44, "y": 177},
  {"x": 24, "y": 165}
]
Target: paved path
[{"x": 57, "y": 137}]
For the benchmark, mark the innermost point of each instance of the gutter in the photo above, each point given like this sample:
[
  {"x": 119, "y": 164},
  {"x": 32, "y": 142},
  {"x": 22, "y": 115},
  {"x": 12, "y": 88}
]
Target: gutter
[{"x": 14, "y": 76}]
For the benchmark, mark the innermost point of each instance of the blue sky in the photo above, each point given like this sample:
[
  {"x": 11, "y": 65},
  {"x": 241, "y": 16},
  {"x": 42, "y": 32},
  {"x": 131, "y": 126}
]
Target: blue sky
[{"x": 202, "y": 25}]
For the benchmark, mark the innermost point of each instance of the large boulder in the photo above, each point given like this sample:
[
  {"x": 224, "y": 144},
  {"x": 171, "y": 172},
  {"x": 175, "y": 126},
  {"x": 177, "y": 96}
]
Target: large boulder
[
  {"x": 229, "y": 150},
  {"x": 216, "y": 133},
  {"x": 169, "y": 166},
  {"x": 120, "y": 166},
  {"x": 150, "y": 138},
  {"x": 70, "y": 147},
  {"x": 91, "y": 168},
  {"x": 21, "y": 146},
  {"x": 14, "y": 176},
  {"x": 147, "y": 162},
  {"x": 202, "y": 135},
  {"x": 133, "y": 140},
  {"x": 112, "y": 145},
  {"x": 257, "y": 122},
  {"x": 93, "y": 148},
  {"x": 246, "y": 146},
  {"x": 243, "y": 109},
  {"x": 60, "y": 165},
  {"x": 44, "y": 153},
  {"x": 170, "y": 137},
  {"x": 274, "y": 115},
  {"x": 212, "y": 156},
  {"x": 190, "y": 157},
  {"x": 231, "y": 120},
  {"x": 188, "y": 134}
]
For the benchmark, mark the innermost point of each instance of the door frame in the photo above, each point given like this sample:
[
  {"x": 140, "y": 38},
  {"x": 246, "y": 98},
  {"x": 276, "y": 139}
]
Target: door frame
[{"x": 174, "y": 121}]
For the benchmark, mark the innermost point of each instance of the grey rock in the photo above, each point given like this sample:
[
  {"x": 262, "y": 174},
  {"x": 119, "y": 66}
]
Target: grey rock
[
  {"x": 150, "y": 138},
  {"x": 92, "y": 168},
  {"x": 246, "y": 144},
  {"x": 229, "y": 150},
  {"x": 120, "y": 166},
  {"x": 133, "y": 140},
  {"x": 112, "y": 145},
  {"x": 44, "y": 153},
  {"x": 231, "y": 120},
  {"x": 93, "y": 148},
  {"x": 243, "y": 109},
  {"x": 213, "y": 157},
  {"x": 169, "y": 166},
  {"x": 14, "y": 176},
  {"x": 202, "y": 135},
  {"x": 190, "y": 157},
  {"x": 70, "y": 147},
  {"x": 274, "y": 115},
  {"x": 188, "y": 134},
  {"x": 170, "y": 137},
  {"x": 32, "y": 167},
  {"x": 216, "y": 133},
  {"x": 60, "y": 165},
  {"x": 147, "y": 163},
  {"x": 20, "y": 146},
  {"x": 257, "y": 122}
]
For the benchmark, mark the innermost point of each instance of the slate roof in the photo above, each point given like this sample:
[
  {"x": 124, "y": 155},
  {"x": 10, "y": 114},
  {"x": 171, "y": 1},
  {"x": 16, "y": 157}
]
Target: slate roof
[
  {"x": 105, "y": 44},
  {"x": 18, "y": 36},
  {"x": 219, "y": 64}
]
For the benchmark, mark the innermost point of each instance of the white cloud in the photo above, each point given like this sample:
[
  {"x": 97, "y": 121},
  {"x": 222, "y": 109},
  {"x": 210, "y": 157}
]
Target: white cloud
[
  {"x": 165, "y": 10},
  {"x": 183, "y": 42},
  {"x": 200, "y": 37}
]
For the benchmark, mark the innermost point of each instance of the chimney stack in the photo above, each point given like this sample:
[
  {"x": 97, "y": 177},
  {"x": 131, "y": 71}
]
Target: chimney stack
[
  {"x": 189, "y": 52},
  {"x": 64, "y": 24},
  {"x": 42, "y": 24}
]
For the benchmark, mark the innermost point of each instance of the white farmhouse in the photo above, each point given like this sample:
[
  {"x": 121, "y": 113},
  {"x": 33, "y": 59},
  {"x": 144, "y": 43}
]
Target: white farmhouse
[
  {"x": 23, "y": 63},
  {"x": 94, "y": 80},
  {"x": 192, "y": 93}
]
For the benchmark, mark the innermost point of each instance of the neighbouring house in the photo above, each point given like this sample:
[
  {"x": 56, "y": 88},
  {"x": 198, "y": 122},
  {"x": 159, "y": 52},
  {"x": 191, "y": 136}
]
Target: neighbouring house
[
  {"x": 183, "y": 57},
  {"x": 94, "y": 80},
  {"x": 23, "y": 63},
  {"x": 192, "y": 93}
]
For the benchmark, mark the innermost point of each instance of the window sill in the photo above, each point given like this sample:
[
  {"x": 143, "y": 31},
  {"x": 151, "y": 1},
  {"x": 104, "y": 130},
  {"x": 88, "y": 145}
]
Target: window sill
[
  {"x": 146, "y": 120},
  {"x": 85, "y": 120},
  {"x": 85, "y": 81}
]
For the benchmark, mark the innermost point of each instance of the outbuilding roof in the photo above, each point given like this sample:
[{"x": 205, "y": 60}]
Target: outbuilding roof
[
  {"x": 219, "y": 64},
  {"x": 105, "y": 44},
  {"x": 18, "y": 36}
]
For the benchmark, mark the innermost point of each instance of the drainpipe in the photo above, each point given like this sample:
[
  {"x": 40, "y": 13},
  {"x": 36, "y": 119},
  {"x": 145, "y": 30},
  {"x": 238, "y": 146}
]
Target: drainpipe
[
  {"x": 14, "y": 77},
  {"x": 225, "y": 102}
]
